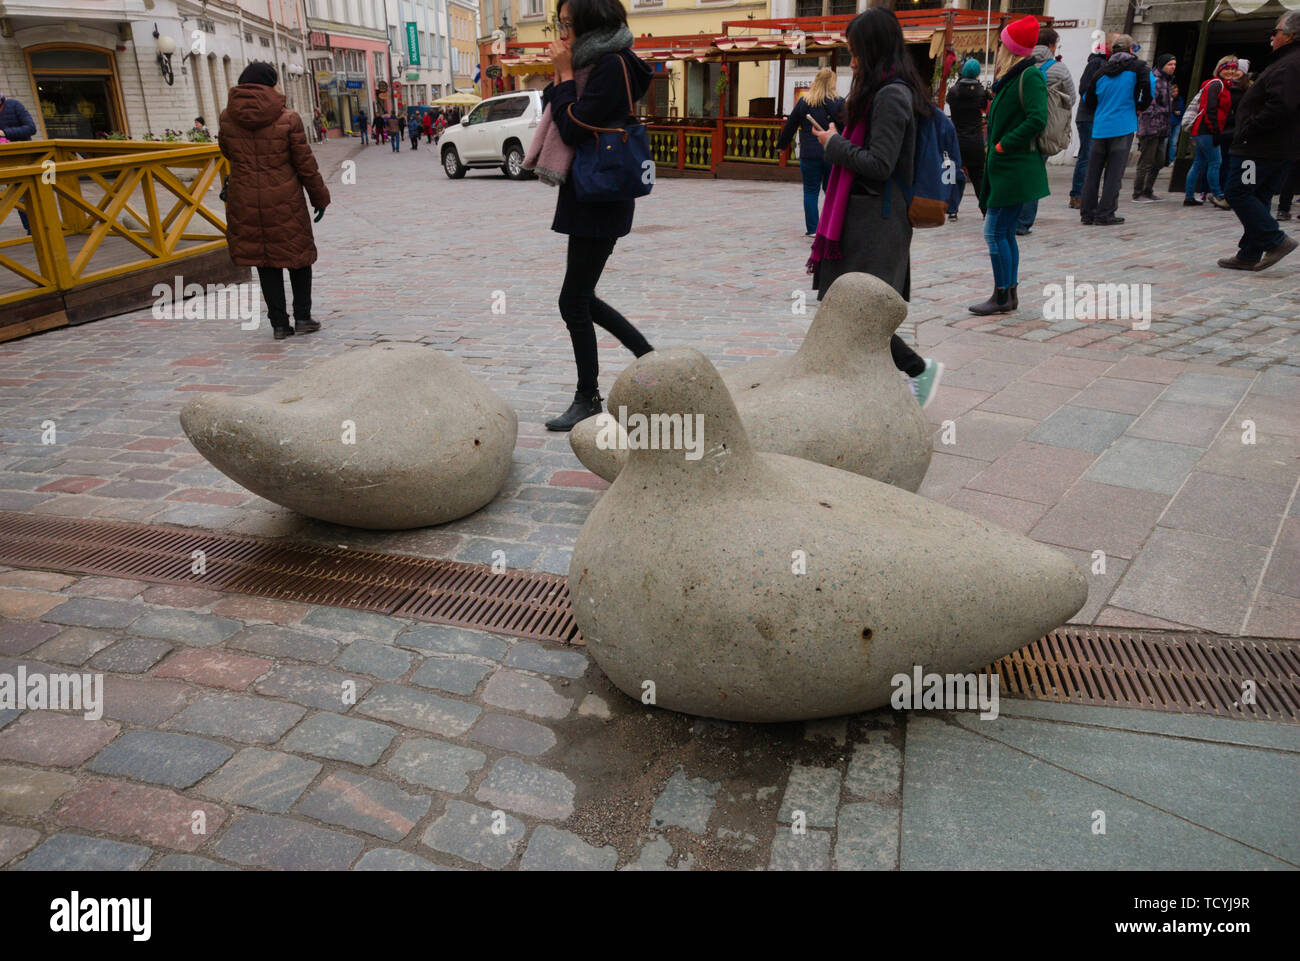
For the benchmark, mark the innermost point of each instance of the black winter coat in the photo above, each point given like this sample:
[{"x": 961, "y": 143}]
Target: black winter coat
[
  {"x": 967, "y": 99},
  {"x": 1268, "y": 118},
  {"x": 1091, "y": 71},
  {"x": 603, "y": 104}
]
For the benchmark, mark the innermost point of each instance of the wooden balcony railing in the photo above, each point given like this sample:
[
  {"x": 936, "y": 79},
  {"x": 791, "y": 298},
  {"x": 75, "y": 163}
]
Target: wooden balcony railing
[
  {"x": 99, "y": 209},
  {"x": 702, "y": 144}
]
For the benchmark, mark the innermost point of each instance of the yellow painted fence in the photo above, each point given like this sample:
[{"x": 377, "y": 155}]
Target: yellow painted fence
[{"x": 99, "y": 209}]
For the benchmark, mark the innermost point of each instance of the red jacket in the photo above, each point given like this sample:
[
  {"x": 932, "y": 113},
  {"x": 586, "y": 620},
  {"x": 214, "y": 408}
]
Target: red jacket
[{"x": 1214, "y": 109}]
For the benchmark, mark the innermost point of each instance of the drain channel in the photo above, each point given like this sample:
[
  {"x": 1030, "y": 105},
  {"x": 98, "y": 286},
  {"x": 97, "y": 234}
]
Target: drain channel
[
  {"x": 519, "y": 603},
  {"x": 1184, "y": 672}
]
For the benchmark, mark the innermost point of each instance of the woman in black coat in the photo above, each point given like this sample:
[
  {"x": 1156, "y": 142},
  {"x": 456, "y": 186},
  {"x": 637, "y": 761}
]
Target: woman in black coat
[
  {"x": 864, "y": 226},
  {"x": 595, "y": 71}
]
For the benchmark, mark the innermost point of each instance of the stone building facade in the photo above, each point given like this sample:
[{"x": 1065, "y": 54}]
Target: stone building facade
[{"x": 85, "y": 69}]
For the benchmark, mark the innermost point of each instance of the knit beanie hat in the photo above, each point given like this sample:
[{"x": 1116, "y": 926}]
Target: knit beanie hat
[
  {"x": 1163, "y": 59},
  {"x": 970, "y": 69},
  {"x": 259, "y": 72},
  {"x": 1020, "y": 36}
]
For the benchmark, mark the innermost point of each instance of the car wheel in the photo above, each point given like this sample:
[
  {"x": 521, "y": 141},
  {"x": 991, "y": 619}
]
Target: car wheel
[
  {"x": 451, "y": 163},
  {"x": 514, "y": 165}
]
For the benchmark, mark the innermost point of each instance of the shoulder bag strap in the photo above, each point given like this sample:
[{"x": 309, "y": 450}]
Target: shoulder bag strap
[{"x": 631, "y": 107}]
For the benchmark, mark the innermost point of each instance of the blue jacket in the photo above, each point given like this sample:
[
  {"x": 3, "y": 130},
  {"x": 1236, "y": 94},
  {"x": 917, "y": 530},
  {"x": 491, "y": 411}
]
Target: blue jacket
[
  {"x": 15, "y": 122},
  {"x": 1116, "y": 114},
  {"x": 809, "y": 148}
]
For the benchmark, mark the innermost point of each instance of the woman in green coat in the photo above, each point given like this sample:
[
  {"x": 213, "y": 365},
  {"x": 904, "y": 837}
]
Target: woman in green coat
[{"x": 1014, "y": 171}]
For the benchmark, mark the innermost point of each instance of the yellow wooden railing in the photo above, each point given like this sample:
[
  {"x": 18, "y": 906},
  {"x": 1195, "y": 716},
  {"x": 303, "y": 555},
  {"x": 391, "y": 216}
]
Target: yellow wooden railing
[
  {"x": 751, "y": 141},
  {"x": 76, "y": 194},
  {"x": 703, "y": 144}
]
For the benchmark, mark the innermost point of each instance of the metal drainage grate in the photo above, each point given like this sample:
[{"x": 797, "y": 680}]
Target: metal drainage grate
[
  {"x": 1158, "y": 671},
  {"x": 519, "y": 603},
  {"x": 1153, "y": 670}
]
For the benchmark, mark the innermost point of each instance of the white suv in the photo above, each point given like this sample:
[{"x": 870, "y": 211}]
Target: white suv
[{"x": 496, "y": 133}]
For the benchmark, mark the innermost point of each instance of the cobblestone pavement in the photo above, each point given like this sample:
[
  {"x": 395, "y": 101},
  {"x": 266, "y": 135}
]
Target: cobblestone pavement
[
  {"x": 244, "y": 732},
  {"x": 1092, "y": 437},
  {"x": 240, "y": 732}
]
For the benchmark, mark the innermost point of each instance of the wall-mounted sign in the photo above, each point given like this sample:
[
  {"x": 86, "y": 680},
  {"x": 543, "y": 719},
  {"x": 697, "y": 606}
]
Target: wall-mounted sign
[
  {"x": 381, "y": 87},
  {"x": 412, "y": 44},
  {"x": 412, "y": 75},
  {"x": 494, "y": 71},
  {"x": 355, "y": 84}
]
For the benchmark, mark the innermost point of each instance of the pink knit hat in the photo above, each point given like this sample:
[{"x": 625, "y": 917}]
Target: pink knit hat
[{"x": 1021, "y": 36}]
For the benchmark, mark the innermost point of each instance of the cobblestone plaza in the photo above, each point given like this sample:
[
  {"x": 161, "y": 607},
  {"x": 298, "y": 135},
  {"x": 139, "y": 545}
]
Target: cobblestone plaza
[{"x": 466, "y": 749}]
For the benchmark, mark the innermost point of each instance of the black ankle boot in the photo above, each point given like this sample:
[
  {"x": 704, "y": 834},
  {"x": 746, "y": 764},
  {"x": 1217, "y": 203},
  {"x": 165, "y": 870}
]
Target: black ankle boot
[
  {"x": 583, "y": 406},
  {"x": 1013, "y": 297},
  {"x": 999, "y": 303}
]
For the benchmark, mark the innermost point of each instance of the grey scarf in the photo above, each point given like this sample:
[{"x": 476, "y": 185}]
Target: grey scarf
[{"x": 590, "y": 47}]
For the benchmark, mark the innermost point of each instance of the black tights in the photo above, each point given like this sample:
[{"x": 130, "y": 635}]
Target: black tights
[
  {"x": 581, "y": 308},
  {"x": 905, "y": 358},
  {"x": 272, "y": 281}
]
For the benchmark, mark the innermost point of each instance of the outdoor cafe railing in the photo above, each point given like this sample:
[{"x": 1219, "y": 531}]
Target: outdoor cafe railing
[
  {"x": 77, "y": 194},
  {"x": 701, "y": 144}
]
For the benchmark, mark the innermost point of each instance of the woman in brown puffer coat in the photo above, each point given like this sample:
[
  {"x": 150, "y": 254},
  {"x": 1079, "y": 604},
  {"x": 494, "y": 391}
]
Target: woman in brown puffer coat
[{"x": 267, "y": 225}]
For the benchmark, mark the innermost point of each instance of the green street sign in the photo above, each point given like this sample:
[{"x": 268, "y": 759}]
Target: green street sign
[{"x": 412, "y": 44}]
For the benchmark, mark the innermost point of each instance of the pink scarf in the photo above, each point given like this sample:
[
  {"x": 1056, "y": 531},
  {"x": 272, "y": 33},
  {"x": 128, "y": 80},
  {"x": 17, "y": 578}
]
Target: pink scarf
[
  {"x": 548, "y": 155},
  {"x": 826, "y": 245}
]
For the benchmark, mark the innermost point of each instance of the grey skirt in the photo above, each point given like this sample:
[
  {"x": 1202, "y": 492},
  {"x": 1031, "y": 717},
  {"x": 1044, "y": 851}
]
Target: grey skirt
[{"x": 872, "y": 243}]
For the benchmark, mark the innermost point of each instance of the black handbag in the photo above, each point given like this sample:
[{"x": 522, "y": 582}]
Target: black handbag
[{"x": 615, "y": 164}]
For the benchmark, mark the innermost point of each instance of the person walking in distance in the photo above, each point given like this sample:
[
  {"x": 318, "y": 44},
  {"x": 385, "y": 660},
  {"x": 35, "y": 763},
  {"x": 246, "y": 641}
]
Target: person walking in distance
[
  {"x": 363, "y": 125},
  {"x": 967, "y": 100},
  {"x": 394, "y": 126},
  {"x": 1123, "y": 89},
  {"x": 864, "y": 225},
  {"x": 1083, "y": 121},
  {"x": 1266, "y": 146},
  {"x": 1015, "y": 172},
  {"x": 822, "y": 103},
  {"x": 1211, "y": 117},
  {"x": 267, "y": 224},
  {"x": 596, "y": 73},
  {"x": 1153, "y": 131}
]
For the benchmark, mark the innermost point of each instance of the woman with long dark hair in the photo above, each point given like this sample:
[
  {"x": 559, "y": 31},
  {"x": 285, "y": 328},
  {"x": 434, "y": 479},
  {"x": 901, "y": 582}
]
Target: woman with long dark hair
[
  {"x": 864, "y": 225},
  {"x": 596, "y": 74}
]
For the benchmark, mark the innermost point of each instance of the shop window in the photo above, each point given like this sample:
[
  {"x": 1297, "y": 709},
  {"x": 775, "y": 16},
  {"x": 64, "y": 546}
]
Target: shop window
[{"x": 76, "y": 91}]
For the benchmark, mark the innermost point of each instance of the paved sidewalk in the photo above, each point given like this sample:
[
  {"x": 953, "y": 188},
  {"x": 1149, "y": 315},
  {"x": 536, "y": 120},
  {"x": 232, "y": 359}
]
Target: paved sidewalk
[
  {"x": 1130, "y": 445},
  {"x": 310, "y": 737},
  {"x": 234, "y": 708}
]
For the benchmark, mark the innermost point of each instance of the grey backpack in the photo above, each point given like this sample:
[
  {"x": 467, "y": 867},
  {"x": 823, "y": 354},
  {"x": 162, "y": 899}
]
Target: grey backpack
[{"x": 1056, "y": 136}]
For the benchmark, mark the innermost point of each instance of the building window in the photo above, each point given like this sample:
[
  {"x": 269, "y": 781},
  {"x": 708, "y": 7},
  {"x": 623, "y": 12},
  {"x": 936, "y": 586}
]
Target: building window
[
  {"x": 263, "y": 41},
  {"x": 248, "y": 36},
  {"x": 531, "y": 8},
  {"x": 1024, "y": 7}
]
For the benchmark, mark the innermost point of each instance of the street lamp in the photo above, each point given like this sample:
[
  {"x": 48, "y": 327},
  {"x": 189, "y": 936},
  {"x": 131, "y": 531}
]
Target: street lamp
[{"x": 166, "y": 47}]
